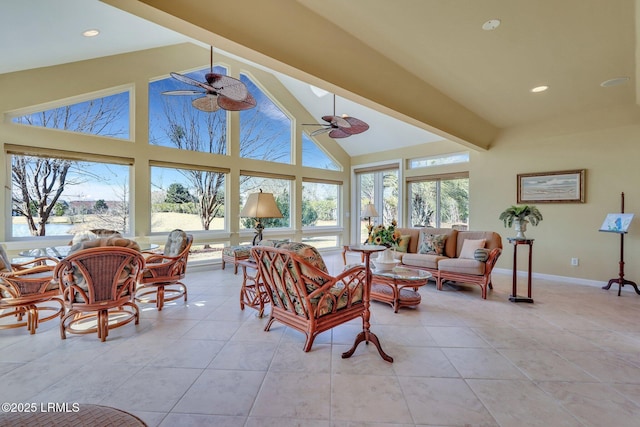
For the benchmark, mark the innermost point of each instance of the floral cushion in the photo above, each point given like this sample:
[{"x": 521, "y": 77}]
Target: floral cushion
[
  {"x": 176, "y": 242},
  {"x": 322, "y": 304},
  {"x": 432, "y": 243},
  {"x": 403, "y": 244},
  {"x": 239, "y": 252}
]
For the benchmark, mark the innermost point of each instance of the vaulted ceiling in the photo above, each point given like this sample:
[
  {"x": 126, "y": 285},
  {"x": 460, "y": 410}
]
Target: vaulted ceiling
[
  {"x": 430, "y": 60},
  {"x": 428, "y": 63}
]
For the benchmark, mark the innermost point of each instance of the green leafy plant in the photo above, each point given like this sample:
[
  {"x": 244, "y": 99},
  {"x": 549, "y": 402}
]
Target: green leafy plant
[{"x": 522, "y": 213}]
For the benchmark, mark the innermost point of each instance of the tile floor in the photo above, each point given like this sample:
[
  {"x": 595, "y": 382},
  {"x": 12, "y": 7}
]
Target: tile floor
[{"x": 570, "y": 359}]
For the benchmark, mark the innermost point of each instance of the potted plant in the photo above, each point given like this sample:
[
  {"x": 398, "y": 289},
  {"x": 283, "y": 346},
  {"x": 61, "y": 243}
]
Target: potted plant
[{"x": 519, "y": 216}]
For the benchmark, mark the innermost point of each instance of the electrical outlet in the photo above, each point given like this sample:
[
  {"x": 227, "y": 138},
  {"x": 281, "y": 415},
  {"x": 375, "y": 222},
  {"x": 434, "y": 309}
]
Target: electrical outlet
[{"x": 574, "y": 261}]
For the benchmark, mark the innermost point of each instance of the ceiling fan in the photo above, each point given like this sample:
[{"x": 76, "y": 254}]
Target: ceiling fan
[
  {"x": 339, "y": 126},
  {"x": 220, "y": 92}
]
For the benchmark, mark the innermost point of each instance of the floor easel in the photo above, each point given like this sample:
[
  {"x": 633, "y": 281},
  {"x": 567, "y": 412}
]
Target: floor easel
[{"x": 620, "y": 280}]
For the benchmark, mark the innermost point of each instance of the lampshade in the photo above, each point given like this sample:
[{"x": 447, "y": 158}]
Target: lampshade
[
  {"x": 369, "y": 211},
  {"x": 261, "y": 205}
]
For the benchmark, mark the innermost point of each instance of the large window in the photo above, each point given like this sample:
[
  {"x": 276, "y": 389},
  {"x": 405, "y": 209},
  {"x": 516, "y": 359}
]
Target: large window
[
  {"x": 320, "y": 204},
  {"x": 281, "y": 189},
  {"x": 439, "y": 201},
  {"x": 190, "y": 199},
  {"x": 105, "y": 116},
  {"x": 174, "y": 122},
  {"x": 265, "y": 131},
  {"x": 57, "y": 196},
  {"x": 315, "y": 157}
]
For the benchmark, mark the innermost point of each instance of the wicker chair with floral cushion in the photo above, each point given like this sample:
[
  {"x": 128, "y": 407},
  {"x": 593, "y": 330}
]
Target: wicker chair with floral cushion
[
  {"x": 26, "y": 289},
  {"x": 303, "y": 294},
  {"x": 164, "y": 272},
  {"x": 98, "y": 280}
]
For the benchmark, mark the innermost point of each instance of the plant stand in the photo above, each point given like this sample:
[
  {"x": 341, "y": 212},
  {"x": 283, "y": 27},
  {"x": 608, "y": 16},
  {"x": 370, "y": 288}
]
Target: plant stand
[{"x": 514, "y": 293}]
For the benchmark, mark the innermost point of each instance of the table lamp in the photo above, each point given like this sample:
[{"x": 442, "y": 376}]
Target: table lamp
[
  {"x": 260, "y": 205},
  {"x": 369, "y": 212}
]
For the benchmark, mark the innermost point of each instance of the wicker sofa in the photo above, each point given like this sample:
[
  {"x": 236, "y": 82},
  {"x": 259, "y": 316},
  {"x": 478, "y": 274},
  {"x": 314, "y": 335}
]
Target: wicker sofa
[{"x": 453, "y": 264}]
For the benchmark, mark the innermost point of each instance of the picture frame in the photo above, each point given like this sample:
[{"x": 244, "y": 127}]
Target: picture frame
[{"x": 552, "y": 187}]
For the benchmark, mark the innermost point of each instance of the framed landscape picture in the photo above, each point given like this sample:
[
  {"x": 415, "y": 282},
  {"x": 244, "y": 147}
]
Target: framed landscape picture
[{"x": 551, "y": 187}]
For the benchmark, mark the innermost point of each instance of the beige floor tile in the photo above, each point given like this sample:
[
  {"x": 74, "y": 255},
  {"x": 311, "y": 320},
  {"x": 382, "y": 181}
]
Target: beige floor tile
[
  {"x": 244, "y": 355},
  {"x": 455, "y": 336},
  {"x": 221, "y": 392},
  {"x": 606, "y": 366},
  {"x": 153, "y": 389},
  {"x": 197, "y": 420},
  {"x": 506, "y": 337},
  {"x": 422, "y": 362},
  {"x": 368, "y": 398},
  {"x": 444, "y": 401},
  {"x": 594, "y": 404},
  {"x": 515, "y": 403},
  {"x": 294, "y": 395},
  {"x": 545, "y": 365},
  {"x": 482, "y": 363},
  {"x": 187, "y": 353}
]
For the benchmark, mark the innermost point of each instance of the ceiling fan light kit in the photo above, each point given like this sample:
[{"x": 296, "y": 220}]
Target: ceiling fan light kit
[{"x": 219, "y": 92}]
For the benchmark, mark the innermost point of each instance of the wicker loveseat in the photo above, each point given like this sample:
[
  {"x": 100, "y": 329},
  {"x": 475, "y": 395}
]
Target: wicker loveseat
[
  {"x": 303, "y": 294},
  {"x": 445, "y": 255}
]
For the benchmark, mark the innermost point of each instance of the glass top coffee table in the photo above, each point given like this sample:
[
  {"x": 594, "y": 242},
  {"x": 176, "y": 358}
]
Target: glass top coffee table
[{"x": 398, "y": 286}]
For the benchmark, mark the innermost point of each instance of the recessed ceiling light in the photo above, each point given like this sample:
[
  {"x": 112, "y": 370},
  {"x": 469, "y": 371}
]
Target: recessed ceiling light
[
  {"x": 491, "y": 24},
  {"x": 91, "y": 33},
  {"x": 614, "y": 82},
  {"x": 538, "y": 89}
]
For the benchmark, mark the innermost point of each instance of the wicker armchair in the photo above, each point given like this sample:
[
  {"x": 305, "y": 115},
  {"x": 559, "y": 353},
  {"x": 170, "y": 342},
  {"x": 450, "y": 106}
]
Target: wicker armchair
[
  {"x": 163, "y": 272},
  {"x": 27, "y": 289},
  {"x": 303, "y": 294},
  {"x": 98, "y": 286}
]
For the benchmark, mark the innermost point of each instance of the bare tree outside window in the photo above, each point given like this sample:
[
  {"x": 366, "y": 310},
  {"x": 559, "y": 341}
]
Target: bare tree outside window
[
  {"x": 176, "y": 123},
  {"x": 39, "y": 182}
]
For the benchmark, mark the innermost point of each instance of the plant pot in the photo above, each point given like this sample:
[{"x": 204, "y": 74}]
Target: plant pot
[{"x": 520, "y": 227}]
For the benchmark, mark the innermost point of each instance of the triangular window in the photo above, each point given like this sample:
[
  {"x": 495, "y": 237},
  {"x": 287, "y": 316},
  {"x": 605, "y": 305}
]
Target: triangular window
[
  {"x": 315, "y": 157},
  {"x": 265, "y": 131}
]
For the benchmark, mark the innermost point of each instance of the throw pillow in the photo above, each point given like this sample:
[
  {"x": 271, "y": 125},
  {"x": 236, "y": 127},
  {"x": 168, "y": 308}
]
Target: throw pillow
[
  {"x": 403, "y": 244},
  {"x": 432, "y": 244},
  {"x": 481, "y": 255},
  {"x": 469, "y": 247}
]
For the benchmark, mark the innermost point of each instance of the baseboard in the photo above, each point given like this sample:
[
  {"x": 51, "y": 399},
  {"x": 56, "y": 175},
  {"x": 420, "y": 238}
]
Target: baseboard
[{"x": 564, "y": 279}]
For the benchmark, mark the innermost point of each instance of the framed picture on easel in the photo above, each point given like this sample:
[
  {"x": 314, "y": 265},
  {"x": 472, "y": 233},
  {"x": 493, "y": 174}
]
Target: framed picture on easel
[{"x": 616, "y": 223}]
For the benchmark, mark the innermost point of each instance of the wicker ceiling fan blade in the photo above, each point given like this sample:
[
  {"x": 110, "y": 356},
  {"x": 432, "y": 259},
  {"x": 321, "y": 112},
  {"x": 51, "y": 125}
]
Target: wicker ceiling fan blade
[
  {"x": 228, "y": 86},
  {"x": 207, "y": 103},
  {"x": 232, "y": 105},
  {"x": 339, "y": 133},
  {"x": 356, "y": 126},
  {"x": 336, "y": 121}
]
